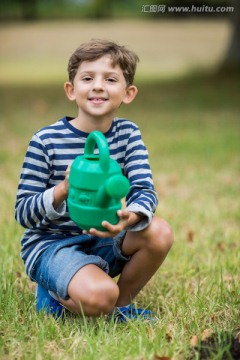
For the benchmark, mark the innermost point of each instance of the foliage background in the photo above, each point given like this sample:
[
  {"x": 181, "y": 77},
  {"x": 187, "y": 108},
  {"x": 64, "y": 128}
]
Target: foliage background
[{"x": 98, "y": 9}]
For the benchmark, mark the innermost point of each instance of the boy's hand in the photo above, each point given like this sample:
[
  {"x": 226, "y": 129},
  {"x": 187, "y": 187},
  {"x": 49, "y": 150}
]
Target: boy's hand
[
  {"x": 61, "y": 190},
  {"x": 126, "y": 219}
]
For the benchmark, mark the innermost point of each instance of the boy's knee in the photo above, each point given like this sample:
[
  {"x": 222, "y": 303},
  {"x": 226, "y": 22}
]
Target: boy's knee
[
  {"x": 159, "y": 236},
  {"x": 100, "y": 299}
]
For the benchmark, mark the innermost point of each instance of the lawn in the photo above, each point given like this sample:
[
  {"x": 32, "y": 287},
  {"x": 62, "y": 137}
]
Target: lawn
[{"x": 191, "y": 127}]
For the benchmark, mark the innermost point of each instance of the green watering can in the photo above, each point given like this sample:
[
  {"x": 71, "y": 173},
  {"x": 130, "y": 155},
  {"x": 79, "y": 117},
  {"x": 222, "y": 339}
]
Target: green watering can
[{"x": 96, "y": 186}]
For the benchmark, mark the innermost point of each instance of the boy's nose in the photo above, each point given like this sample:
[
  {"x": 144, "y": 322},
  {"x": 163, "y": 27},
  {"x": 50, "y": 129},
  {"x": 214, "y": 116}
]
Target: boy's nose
[{"x": 98, "y": 85}]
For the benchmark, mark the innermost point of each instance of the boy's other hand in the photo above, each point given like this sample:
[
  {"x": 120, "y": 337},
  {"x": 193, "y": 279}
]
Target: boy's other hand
[
  {"x": 126, "y": 219},
  {"x": 61, "y": 190}
]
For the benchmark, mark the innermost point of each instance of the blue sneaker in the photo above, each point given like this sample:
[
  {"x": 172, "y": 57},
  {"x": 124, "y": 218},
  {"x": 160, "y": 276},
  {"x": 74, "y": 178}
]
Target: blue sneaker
[
  {"x": 125, "y": 313},
  {"x": 44, "y": 301}
]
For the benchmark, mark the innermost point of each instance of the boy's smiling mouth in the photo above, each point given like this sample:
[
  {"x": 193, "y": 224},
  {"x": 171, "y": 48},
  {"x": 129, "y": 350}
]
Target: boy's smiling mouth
[{"x": 97, "y": 100}]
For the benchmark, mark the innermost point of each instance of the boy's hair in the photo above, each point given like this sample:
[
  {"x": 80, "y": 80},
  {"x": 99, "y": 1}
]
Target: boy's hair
[{"x": 96, "y": 48}]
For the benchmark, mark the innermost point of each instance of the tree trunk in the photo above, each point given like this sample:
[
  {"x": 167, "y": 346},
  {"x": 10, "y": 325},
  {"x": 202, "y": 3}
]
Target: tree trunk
[
  {"x": 29, "y": 9},
  {"x": 232, "y": 58}
]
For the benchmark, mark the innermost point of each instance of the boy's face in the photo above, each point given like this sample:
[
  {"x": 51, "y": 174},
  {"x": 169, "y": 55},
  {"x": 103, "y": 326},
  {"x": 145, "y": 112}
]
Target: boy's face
[{"x": 99, "y": 88}]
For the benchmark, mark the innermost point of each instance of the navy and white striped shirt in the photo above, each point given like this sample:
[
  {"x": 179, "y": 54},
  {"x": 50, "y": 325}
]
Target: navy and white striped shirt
[{"x": 50, "y": 151}]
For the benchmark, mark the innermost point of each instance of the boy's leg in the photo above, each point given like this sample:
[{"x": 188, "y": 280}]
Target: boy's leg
[
  {"x": 91, "y": 291},
  {"x": 148, "y": 248}
]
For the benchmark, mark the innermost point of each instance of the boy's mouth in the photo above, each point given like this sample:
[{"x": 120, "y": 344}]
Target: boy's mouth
[{"x": 97, "y": 100}]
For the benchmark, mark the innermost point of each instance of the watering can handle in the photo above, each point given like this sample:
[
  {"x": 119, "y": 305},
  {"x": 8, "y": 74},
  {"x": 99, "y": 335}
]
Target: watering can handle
[{"x": 96, "y": 137}]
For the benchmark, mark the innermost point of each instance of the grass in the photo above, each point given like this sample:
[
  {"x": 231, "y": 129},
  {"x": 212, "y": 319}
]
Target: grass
[{"x": 191, "y": 128}]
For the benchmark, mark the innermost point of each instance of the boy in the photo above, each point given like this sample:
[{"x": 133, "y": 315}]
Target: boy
[{"x": 74, "y": 269}]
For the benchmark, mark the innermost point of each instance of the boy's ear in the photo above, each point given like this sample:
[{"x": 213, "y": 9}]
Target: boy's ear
[
  {"x": 69, "y": 90},
  {"x": 130, "y": 95}
]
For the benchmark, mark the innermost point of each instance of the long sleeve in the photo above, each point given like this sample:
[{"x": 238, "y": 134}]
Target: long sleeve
[
  {"x": 142, "y": 198},
  {"x": 33, "y": 207}
]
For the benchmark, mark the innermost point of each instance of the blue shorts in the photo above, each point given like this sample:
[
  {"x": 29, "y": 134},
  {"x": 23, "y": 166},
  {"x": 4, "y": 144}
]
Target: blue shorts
[{"x": 56, "y": 266}]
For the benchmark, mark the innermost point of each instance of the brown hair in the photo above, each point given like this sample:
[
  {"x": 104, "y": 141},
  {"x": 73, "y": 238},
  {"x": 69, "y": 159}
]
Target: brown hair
[{"x": 96, "y": 48}]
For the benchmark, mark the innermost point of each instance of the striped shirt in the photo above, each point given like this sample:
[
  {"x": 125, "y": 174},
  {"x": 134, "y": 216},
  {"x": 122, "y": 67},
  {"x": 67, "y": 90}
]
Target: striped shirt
[{"x": 50, "y": 151}]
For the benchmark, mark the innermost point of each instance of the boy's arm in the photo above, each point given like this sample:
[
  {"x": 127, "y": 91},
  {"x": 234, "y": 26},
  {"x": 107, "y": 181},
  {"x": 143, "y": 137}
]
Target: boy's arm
[
  {"x": 34, "y": 204},
  {"x": 142, "y": 198}
]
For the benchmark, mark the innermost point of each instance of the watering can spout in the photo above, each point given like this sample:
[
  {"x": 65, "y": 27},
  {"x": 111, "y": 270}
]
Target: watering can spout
[{"x": 115, "y": 187}]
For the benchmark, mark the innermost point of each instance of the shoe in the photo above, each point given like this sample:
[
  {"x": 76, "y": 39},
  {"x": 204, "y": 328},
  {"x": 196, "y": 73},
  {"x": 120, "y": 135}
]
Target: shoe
[
  {"x": 45, "y": 302},
  {"x": 125, "y": 313}
]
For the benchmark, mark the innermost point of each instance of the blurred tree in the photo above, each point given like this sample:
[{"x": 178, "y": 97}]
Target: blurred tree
[
  {"x": 28, "y": 9},
  {"x": 102, "y": 8},
  {"x": 232, "y": 58}
]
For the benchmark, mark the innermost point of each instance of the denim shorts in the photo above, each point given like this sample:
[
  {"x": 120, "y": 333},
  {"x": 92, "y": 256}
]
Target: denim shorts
[{"x": 56, "y": 266}]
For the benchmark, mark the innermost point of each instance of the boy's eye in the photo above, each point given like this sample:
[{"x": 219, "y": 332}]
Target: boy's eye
[
  {"x": 86, "y": 78},
  {"x": 111, "y": 80}
]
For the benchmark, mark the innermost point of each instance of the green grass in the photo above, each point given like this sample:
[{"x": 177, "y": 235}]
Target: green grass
[{"x": 191, "y": 127}]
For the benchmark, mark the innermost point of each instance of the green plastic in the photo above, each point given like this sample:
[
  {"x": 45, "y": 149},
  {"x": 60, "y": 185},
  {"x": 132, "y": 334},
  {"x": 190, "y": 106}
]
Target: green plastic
[{"x": 96, "y": 186}]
